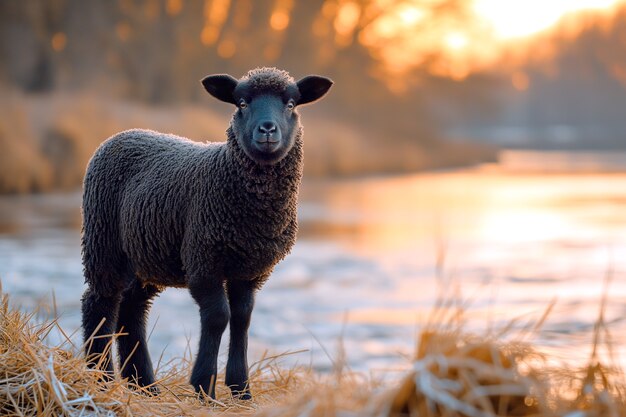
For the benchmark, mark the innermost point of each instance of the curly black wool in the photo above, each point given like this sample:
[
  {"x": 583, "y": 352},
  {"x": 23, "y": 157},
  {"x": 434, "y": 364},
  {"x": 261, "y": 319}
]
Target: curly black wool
[
  {"x": 166, "y": 208},
  {"x": 161, "y": 211},
  {"x": 267, "y": 80}
]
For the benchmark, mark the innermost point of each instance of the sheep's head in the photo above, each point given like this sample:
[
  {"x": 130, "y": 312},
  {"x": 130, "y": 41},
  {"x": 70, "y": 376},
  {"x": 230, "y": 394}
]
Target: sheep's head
[{"x": 266, "y": 121}]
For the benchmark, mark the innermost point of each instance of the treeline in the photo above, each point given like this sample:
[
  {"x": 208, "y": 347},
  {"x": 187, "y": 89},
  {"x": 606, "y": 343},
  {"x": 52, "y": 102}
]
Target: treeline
[
  {"x": 131, "y": 59},
  {"x": 566, "y": 89},
  {"x": 155, "y": 51}
]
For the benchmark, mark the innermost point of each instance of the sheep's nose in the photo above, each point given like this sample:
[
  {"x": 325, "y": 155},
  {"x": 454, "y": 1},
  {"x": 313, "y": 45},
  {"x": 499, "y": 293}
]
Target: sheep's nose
[{"x": 267, "y": 127}]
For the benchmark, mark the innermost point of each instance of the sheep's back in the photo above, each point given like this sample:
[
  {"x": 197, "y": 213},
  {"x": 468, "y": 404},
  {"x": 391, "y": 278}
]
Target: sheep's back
[{"x": 137, "y": 189}]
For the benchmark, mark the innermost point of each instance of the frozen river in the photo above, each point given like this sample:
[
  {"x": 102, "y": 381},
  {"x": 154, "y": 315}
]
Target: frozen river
[{"x": 372, "y": 257}]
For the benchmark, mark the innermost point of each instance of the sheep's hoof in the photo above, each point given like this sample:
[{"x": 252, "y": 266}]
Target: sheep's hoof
[
  {"x": 106, "y": 377},
  {"x": 242, "y": 395},
  {"x": 205, "y": 397},
  {"x": 151, "y": 391},
  {"x": 148, "y": 390}
]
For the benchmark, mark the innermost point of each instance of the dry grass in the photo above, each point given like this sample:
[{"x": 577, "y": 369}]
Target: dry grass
[
  {"x": 453, "y": 374},
  {"x": 38, "y": 379}
]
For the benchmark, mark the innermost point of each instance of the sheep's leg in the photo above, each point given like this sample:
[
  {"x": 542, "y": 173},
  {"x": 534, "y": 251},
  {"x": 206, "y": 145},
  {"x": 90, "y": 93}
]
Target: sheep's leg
[
  {"x": 241, "y": 300},
  {"x": 96, "y": 332},
  {"x": 214, "y": 316},
  {"x": 135, "y": 363}
]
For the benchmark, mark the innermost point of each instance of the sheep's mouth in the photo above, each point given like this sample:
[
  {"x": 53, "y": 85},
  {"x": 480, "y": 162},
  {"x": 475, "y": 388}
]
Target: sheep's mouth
[{"x": 267, "y": 145}]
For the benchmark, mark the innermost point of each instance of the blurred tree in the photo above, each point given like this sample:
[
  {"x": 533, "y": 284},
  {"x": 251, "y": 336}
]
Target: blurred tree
[
  {"x": 31, "y": 33},
  {"x": 156, "y": 50}
]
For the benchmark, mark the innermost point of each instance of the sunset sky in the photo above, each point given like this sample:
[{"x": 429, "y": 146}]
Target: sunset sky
[
  {"x": 455, "y": 39},
  {"x": 519, "y": 18}
]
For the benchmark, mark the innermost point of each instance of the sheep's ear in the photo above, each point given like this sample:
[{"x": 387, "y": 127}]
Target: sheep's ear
[
  {"x": 313, "y": 88},
  {"x": 221, "y": 86}
]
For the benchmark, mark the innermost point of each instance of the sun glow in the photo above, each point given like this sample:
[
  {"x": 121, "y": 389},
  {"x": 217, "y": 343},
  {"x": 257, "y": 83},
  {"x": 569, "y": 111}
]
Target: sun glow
[
  {"x": 520, "y": 18},
  {"x": 457, "y": 40}
]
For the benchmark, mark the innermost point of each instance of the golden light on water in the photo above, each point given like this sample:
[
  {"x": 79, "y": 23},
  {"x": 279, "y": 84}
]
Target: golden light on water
[{"x": 391, "y": 214}]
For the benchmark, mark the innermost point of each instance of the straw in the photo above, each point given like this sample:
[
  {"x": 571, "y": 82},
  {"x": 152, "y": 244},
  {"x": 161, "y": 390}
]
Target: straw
[{"x": 453, "y": 374}]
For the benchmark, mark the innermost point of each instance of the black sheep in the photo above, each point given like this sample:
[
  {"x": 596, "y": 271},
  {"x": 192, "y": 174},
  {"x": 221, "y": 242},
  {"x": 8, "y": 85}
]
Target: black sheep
[{"x": 160, "y": 210}]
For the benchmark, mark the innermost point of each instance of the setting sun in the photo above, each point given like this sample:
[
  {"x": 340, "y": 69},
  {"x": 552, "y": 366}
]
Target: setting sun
[
  {"x": 517, "y": 18},
  {"x": 455, "y": 40}
]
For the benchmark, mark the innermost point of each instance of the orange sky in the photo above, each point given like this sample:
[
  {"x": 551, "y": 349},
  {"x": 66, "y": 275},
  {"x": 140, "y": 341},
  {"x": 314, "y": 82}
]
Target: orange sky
[
  {"x": 519, "y": 18},
  {"x": 441, "y": 37},
  {"x": 413, "y": 34}
]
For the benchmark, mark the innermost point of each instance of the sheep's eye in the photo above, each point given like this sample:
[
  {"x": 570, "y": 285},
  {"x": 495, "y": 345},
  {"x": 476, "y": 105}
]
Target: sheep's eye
[
  {"x": 291, "y": 105},
  {"x": 242, "y": 104}
]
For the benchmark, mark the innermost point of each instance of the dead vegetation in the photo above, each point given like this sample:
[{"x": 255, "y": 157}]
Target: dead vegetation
[{"x": 453, "y": 374}]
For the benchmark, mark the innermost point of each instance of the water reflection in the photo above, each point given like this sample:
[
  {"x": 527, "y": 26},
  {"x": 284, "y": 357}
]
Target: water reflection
[{"x": 367, "y": 265}]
